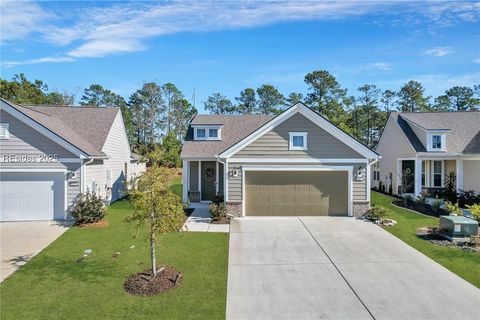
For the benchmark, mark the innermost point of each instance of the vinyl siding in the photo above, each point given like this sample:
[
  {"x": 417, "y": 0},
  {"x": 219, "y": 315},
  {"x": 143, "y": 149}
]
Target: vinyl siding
[
  {"x": 393, "y": 145},
  {"x": 73, "y": 184},
  {"x": 117, "y": 149},
  {"x": 471, "y": 175},
  {"x": 235, "y": 183},
  {"x": 275, "y": 143},
  {"x": 26, "y": 140}
]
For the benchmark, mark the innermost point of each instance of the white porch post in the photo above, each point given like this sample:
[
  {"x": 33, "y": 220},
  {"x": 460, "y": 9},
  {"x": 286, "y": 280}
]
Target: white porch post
[
  {"x": 217, "y": 186},
  {"x": 459, "y": 174},
  {"x": 185, "y": 175},
  {"x": 418, "y": 176}
]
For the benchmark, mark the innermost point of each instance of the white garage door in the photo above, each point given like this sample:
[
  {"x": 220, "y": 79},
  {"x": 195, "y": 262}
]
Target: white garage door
[{"x": 31, "y": 196}]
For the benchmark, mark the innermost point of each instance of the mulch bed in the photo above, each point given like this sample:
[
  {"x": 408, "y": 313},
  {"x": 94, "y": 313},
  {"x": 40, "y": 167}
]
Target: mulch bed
[
  {"x": 223, "y": 220},
  {"x": 433, "y": 235},
  {"x": 98, "y": 224},
  {"x": 144, "y": 284},
  {"x": 425, "y": 209}
]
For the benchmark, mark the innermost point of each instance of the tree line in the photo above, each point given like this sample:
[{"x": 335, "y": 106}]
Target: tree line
[
  {"x": 362, "y": 114},
  {"x": 157, "y": 115}
]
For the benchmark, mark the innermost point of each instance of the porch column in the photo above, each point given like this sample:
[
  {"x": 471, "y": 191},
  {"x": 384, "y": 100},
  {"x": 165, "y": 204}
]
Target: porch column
[
  {"x": 459, "y": 174},
  {"x": 418, "y": 176},
  {"x": 185, "y": 174}
]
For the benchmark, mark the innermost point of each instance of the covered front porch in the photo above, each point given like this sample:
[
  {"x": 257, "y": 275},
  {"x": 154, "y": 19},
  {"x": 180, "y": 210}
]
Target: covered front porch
[
  {"x": 417, "y": 174},
  {"x": 203, "y": 179}
]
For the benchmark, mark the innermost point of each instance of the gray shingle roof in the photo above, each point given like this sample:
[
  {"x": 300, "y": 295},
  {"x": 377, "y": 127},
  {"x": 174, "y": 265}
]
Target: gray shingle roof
[
  {"x": 464, "y": 128},
  {"x": 234, "y": 129},
  {"x": 86, "y": 128}
]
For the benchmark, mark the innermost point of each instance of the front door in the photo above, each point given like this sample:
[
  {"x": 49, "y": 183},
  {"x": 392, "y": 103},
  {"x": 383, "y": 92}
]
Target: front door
[
  {"x": 408, "y": 176},
  {"x": 208, "y": 180}
]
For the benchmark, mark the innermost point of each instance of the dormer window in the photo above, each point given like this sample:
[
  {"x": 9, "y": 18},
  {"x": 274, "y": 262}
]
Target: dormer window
[
  {"x": 436, "y": 142},
  {"x": 206, "y": 132}
]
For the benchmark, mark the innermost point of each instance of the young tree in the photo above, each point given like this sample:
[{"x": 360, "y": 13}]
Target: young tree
[
  {"x": 247, "y": 102},
  {"x": 293, "y": 98},
  {"x": 217, "y": 103},
  {"x": 326, "y": 95},
  {"x": 270, "y": 100},
  {"x": 171, "y": 148},
  {"x": 156, "y": 207},
  {"x": 411, "y": 98}
]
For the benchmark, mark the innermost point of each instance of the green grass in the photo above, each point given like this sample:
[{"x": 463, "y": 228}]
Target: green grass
[
  {"x": 176, "y": 185},
  {"x": 54, "y": 286},
  {"x": 465, "y": 264}
]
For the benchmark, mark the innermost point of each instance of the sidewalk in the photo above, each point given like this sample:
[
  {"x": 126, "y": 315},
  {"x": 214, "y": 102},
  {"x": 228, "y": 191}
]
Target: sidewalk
[{"x": 200, "y": 220}]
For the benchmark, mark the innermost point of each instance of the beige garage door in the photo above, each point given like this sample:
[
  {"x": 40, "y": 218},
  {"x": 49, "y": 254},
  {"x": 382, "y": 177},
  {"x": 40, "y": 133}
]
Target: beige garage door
[{"x": 304, "y": 193}]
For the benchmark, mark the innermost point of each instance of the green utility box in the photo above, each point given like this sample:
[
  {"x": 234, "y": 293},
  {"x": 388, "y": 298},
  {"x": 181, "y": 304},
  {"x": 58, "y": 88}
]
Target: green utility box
[{"x": 458, "y": 226}]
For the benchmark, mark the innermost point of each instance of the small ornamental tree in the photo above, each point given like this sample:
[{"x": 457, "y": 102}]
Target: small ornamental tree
[{"x": 155, "y": 207}]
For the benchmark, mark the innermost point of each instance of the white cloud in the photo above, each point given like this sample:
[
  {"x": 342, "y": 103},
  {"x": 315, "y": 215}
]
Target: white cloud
[
  {"x": 380, "y": 65},
  {"x": 10, "y": 64},
  {"x": 477, "y": 60},
  {"x": 20, "y": 19},
  {"x": 438, "y": 51},
  {"x": 125, "y": 27}
]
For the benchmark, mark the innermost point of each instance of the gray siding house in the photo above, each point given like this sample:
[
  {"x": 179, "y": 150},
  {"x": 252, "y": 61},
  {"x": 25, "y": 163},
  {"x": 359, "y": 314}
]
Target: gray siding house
[
  {"x": 49, "y": 155},
  {"x": 297, "y": 163},
  {"x": 419, "y": 149}
]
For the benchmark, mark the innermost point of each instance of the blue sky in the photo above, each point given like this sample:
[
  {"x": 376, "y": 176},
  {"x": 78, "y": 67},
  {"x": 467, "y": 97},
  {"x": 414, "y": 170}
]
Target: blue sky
[{"x": 216, "y": 46}]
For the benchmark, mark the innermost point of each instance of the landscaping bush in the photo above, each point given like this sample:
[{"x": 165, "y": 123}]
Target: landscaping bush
[
  {"x": 218, "y": 210},
  {"x": 217, "y": 199},
  {"x": 453, "y": 208},
  {"x": 377, "y": 212},
  {"x": 475, "y": 211},
  {"x": 436, "y": 204},
  {"x": 468, "y": 197},
  {"x": 88, "y": 208},
  {"x": 419, "y": 203}
]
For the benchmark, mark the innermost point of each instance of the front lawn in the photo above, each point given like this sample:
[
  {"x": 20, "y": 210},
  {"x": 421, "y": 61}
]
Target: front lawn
[
  {"x": 54, "y": 286},
  {"x": 465, "y": 264}
]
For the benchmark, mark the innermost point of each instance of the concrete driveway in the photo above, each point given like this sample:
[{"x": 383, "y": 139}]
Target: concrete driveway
[
  {"x": 337, "y": 268},
  {"x": 20, "y": 241}
]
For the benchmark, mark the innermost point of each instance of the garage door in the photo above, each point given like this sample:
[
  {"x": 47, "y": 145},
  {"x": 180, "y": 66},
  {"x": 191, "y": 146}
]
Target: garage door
[
  {"x": 280, "y": 193},
  {"x": 31, "y": 196}
]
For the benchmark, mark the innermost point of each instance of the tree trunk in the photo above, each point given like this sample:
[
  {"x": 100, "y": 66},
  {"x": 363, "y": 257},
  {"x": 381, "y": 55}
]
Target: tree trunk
[{"x": 152, "y": 242}]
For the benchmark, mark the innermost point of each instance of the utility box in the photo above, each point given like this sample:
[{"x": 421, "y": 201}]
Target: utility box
[{"x": 458, "y": 226}]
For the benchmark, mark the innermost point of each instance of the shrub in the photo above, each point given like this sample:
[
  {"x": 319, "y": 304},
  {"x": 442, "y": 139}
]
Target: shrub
[
  {"x": 468, "y": 197},
  {"x": 217, "y": 199},
  {"x": 419, "y": 203},
  {"x": 88, "y": 208},
  {"x": 218, "y": 210},
  {"x": 376, "y": 213},
  {"x": 475, "y": 211},
  {"x": 436, "y": 204},
  {"x": 453, "y": 208}
]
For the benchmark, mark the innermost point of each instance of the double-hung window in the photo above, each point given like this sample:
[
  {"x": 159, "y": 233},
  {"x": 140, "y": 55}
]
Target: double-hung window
[
  {"x": 298, "y": 141},
  {"x": 437, "y": 173}
]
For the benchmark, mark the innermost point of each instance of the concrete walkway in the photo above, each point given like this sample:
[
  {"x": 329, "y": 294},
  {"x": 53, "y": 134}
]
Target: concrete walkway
[
  {"x": 200, "y": 220},
  {"x": 20, "y": 241},
  {"x": 337, "y": 268}
]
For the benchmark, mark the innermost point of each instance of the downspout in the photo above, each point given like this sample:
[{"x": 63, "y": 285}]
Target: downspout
[{"x": 84, "y": 173}]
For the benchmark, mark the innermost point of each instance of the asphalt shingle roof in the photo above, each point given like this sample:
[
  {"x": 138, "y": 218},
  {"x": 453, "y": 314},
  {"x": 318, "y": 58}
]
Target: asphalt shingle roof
[
  {"x": 86, "y": 128},
  {"x": 464, "y": 129},
  {"x": 234, "y": 129}
]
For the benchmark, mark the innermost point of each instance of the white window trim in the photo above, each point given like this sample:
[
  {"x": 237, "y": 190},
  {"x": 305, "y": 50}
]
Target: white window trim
[
  {"x": 297, "y": 134},
  {"x": 5, "y": 127},
  {"x": 443, "y": 141},
  {"x": 207, "y": 133},
  {"x": 442, "y": 174}
]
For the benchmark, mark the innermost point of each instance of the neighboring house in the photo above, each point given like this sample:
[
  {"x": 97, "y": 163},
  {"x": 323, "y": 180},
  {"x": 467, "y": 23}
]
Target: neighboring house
[
  {"x": 423, "y": 147},
  {"x": 49, "y": 155},
  {"x": 297, "y": 163}
]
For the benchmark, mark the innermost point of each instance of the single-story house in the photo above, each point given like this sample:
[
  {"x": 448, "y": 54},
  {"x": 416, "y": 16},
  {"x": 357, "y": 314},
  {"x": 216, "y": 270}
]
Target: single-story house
[
  {"x": 419, "y": 150},
  {"x": 297, "y": 163},
  {"x": 51, "y": 154}
]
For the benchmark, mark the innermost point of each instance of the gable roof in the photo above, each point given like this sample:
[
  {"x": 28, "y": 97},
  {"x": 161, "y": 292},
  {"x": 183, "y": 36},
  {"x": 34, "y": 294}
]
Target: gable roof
[
  {"x": 234, "y": 129},
  {"x": 85, "y": 128},
  {"x": 463, "y": 129}
]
